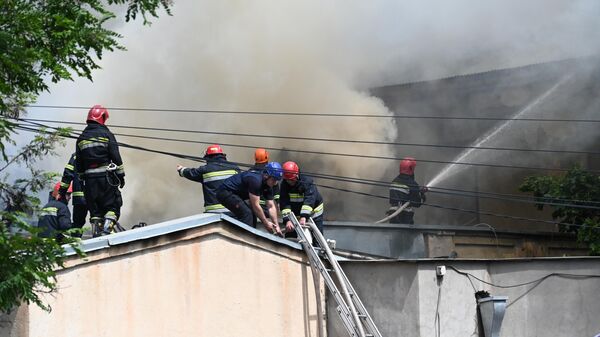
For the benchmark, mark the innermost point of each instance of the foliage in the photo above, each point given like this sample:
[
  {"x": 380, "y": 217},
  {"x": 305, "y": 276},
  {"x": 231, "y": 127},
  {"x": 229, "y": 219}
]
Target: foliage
[
  {"x": 43, "y": 40},
  {"x": 51, "y": 39},
  {"x": 578, "y": 185},
  {"x": 28, "y": 261}
]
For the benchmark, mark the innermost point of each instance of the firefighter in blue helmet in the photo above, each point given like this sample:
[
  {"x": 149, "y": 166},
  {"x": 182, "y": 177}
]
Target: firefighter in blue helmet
[
  {"x": 299, "y": 195},
  {"x": 55, "y": 216},
  {"x": 404, "y": 189},
  {"x": 99, "y": 163},
  {"x": 70, "y": 178},
  {"x": 211, "y": 176},
  {"x": 252, "y": 185}
]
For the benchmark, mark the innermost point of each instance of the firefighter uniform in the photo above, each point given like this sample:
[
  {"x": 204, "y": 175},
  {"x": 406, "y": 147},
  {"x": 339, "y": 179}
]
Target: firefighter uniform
[
  {"x": 263, "y": 203},
  {"x": 404, "y": 188},
  {"x": 77, "y": 197},
  {"x": 211, "y": 175},
  {"x": 303, "y": 199},
  {"x": 236, "y": 189},
  {"x": 53, "y": 218},
  {"x": 96, "y": 149}
]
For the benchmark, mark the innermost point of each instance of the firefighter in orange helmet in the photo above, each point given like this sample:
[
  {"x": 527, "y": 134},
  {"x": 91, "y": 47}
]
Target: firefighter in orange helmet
[{"x": 261, "y": 158}]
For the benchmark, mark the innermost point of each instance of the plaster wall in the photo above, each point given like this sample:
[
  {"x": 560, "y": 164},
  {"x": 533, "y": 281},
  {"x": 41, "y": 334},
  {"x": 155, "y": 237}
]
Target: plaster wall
[{"x": 207, "y": 281}]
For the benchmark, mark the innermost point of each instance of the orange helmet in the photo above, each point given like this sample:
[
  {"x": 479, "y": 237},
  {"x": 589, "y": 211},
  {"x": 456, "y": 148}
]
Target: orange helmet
[
  {"x": 213, "y": 149},
  {"x": 261, "y": 156},
  {"x": 407, "y": 166},
  {"x": 290, "y": 170},
  {"x": 97, "y": 113}
]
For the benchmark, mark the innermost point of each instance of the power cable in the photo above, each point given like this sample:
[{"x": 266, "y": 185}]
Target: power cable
[
  {"x": 475, "y": 194},
  {"x": 330, "y": 187},
  {"x": 535, "y": 202},
  {"x": 384, "y": 184},
  {"x": 563, "y": 275},
  {"x": 287, "y": 114},
  {"x": 362, "y": 156},
  {"x": 515, "y": 196},
  {"x": 349, "y": 141}
]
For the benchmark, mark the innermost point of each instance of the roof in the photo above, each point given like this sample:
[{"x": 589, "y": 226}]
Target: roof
[{"x": 172, "y": 226}]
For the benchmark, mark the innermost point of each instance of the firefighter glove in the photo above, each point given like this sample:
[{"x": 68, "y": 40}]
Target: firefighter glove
[{"x": 122, "y": 184}]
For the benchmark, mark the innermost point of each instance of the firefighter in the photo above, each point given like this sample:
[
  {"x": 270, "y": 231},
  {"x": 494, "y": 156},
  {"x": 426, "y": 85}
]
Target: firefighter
[
  {"x": 299, "y": 195},
  {"x": 261, "y": 158},
  {"x": 404, "y": 189},
  {"x": 99, "y": 163},
  {"x": 211, "y": 176},
  {"x": 251, "y": 185},
  {"x": 55, "y": 216},
  {"x": 71, "y": 180}
]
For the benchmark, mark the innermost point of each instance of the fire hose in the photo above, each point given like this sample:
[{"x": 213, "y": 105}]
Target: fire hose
[{"x": 400, "y": 209}]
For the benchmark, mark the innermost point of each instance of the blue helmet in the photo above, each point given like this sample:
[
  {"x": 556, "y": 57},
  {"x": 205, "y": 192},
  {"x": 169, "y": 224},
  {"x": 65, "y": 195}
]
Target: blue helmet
[{"x": 273, "y": 169}]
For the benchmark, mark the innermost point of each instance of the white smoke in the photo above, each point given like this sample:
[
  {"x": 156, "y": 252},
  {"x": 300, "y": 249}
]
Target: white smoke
[{"x": 308, "y": 56}]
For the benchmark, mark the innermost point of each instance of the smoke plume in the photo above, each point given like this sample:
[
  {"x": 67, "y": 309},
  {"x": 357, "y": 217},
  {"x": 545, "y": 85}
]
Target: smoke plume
[{"x": 308, "y": 56}]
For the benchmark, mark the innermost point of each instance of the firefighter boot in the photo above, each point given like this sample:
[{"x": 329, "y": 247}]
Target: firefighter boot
[
  {"x": 109, "y": 225},
  {"x": 96, "y": 227}
]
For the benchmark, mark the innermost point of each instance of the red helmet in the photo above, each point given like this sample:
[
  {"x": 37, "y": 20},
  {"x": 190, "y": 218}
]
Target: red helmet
[
  {"x": 290, "y": 170},
  {"x": 57, "y": 188},
  {"x": 213, "y": 149},
  {"x": 261, "y": 156},
  {"x": 97, "y": 113},
  {"x": 407, "y": 166}
]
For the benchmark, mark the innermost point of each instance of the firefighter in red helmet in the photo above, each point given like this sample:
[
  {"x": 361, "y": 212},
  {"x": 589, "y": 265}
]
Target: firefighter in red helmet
[
  {"x": 99, "y": 163},
  {"x": 299, "y": 195},
  {"x": 404, "y": 189},
  {"x": 55, "y": 217},
  {"x": 211, "y": 176}
]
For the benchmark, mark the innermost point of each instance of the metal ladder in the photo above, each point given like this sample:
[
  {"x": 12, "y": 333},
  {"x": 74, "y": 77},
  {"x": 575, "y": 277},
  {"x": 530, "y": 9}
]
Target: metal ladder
[{"x": 355, "y": 317}]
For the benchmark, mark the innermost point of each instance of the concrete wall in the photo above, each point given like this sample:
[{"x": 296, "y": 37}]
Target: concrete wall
[
  {"x": 431, "y": 241},
  {"x": 214, "y": 280},
  {"x": 402, "y": 297}
]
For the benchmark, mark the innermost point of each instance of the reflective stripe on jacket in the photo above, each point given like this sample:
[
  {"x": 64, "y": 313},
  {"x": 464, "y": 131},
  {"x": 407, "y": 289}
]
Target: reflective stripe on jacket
[
  {"x": 96, "y": 148},
  {"x": 53, "y": 217},
  {"x": 303, "y": 199},
  {"x": 404, "y": 188},
  {"x": 211, "y": 175},
  {"x": 70, "y": 177}
]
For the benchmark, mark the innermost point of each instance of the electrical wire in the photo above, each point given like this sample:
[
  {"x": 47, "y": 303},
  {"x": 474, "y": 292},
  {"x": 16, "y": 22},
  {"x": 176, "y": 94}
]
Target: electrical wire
[
  {"x": 478, "y": 193},
  {"x": 350, "y": 141},
  {"x": 516, "y": 196},
  {"x": 195, "y": 158},
  {"x": 287, "y": 114},
  {"x": 381, "y": 183},
  {"x": 535, "y": 202},
  {"x": 562, "y": 275},
  {"x": 436, "y": 319},
  {"x": 361, "y": 156}
]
